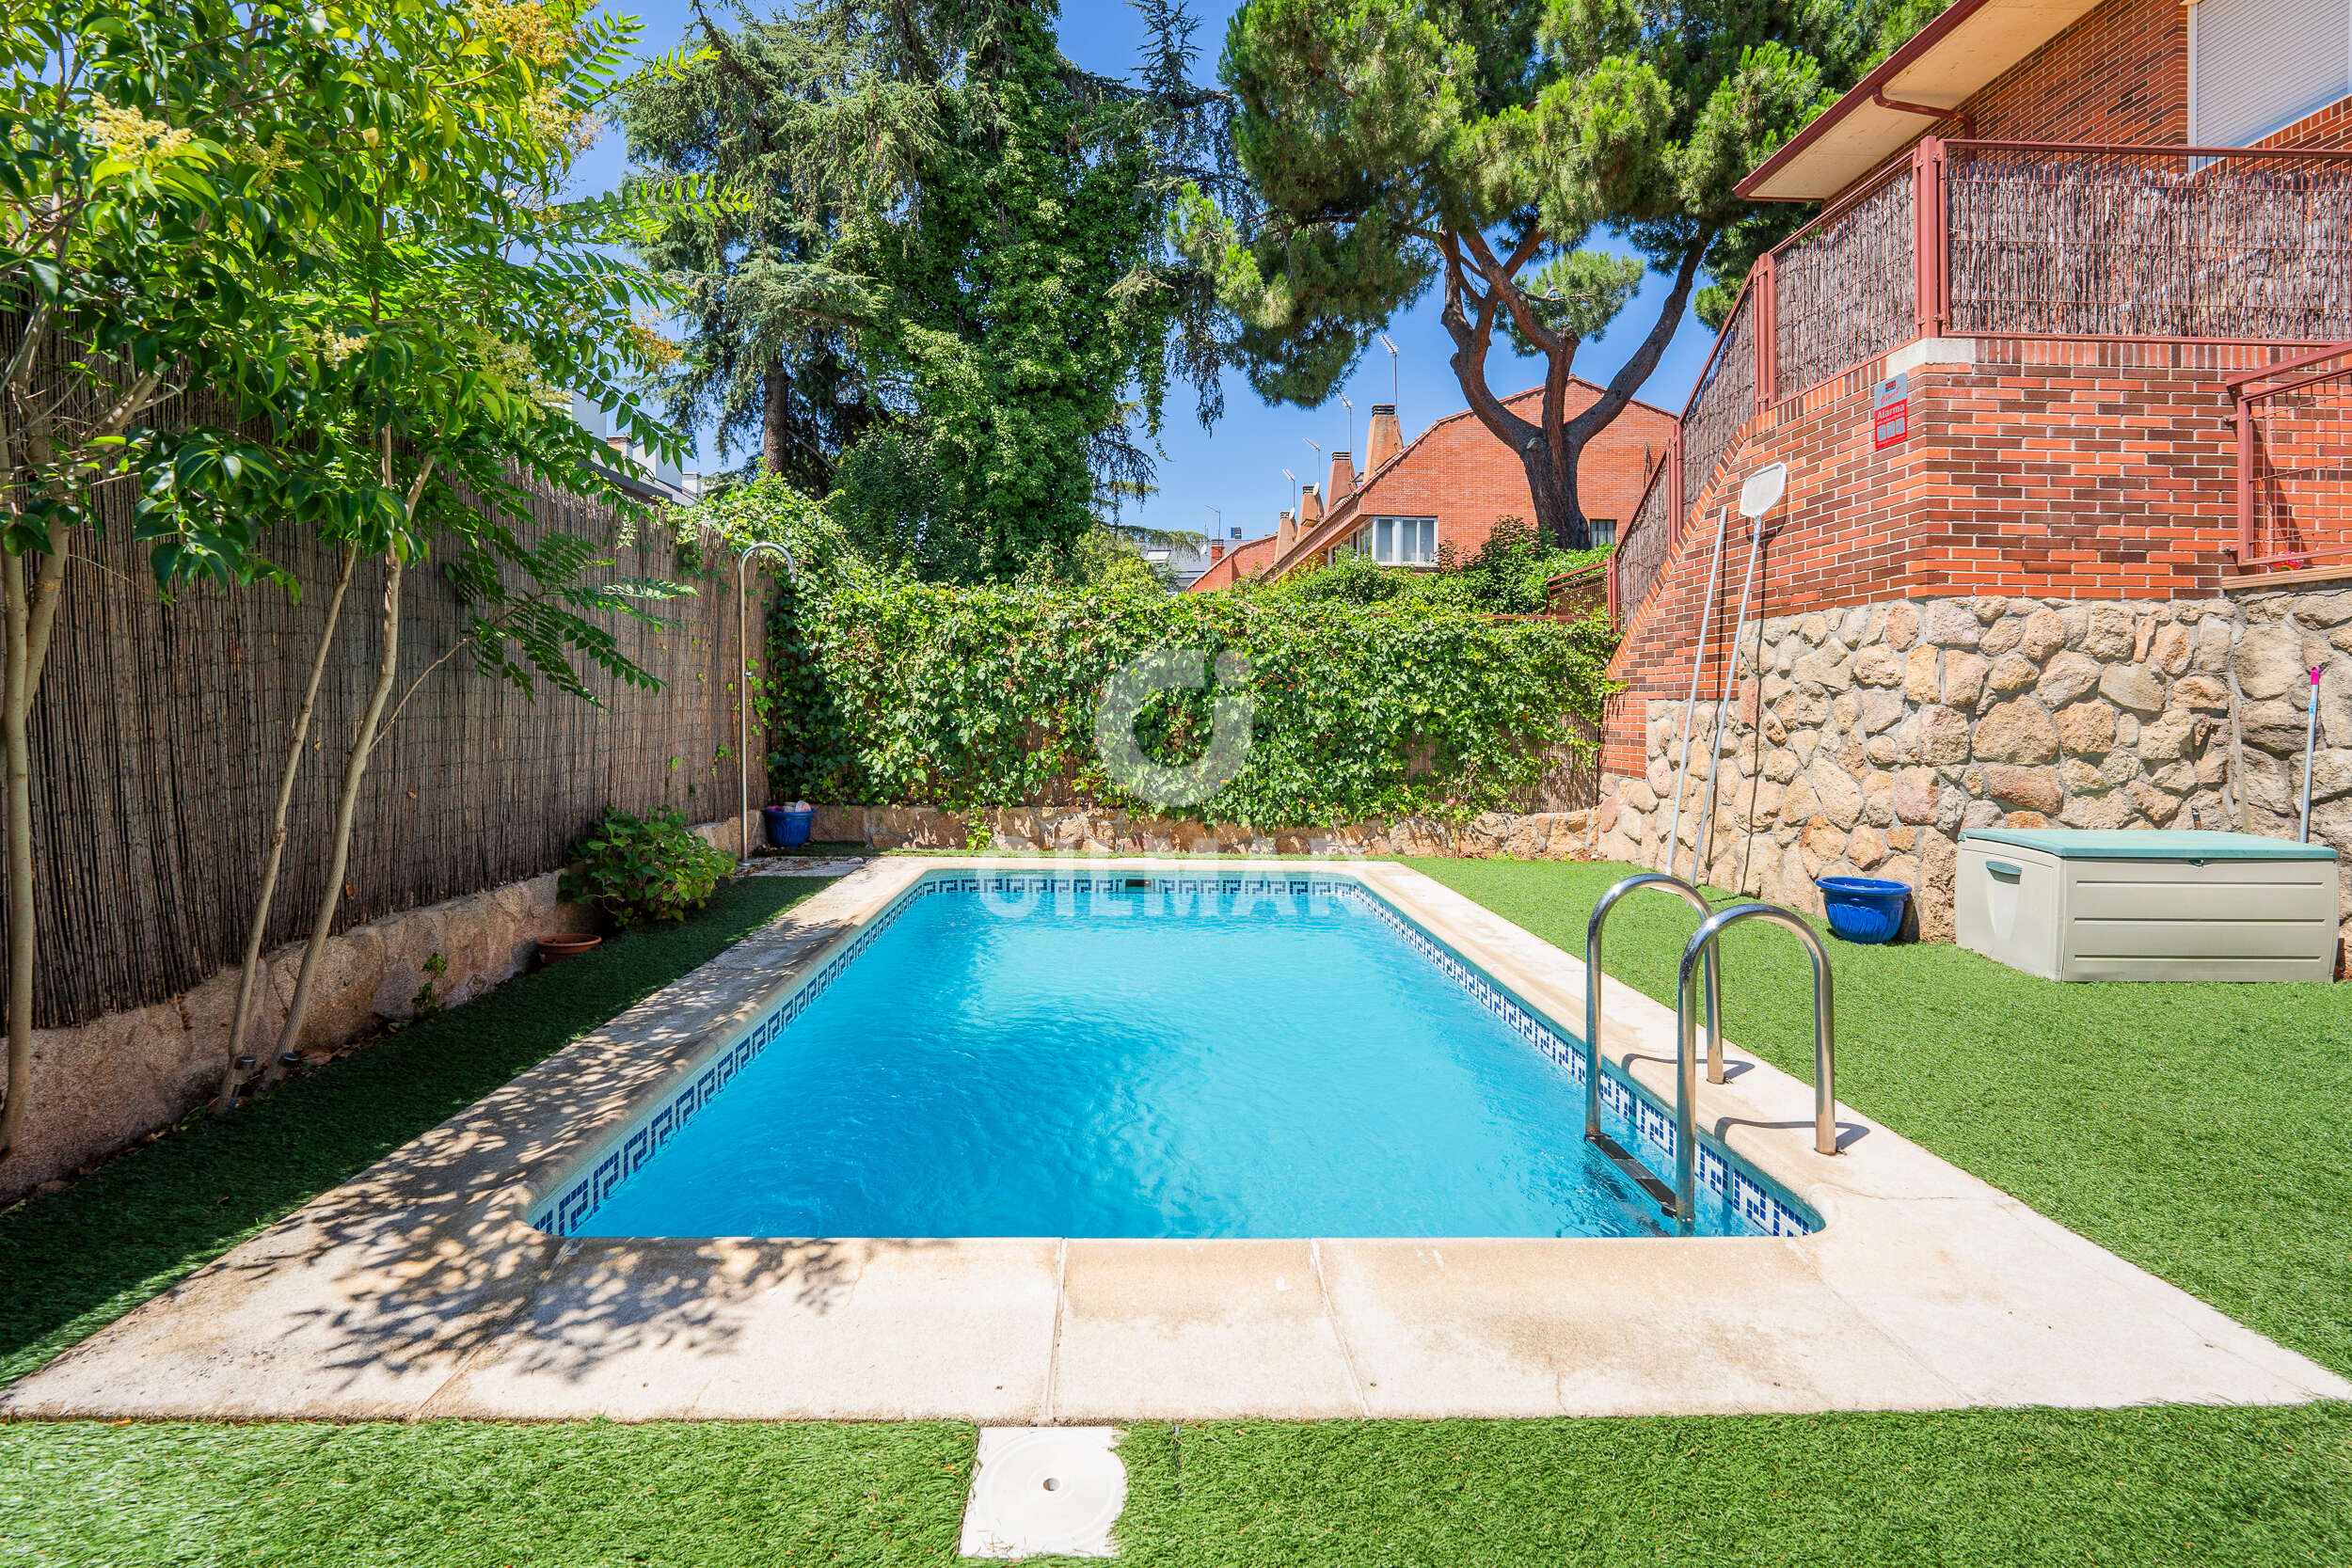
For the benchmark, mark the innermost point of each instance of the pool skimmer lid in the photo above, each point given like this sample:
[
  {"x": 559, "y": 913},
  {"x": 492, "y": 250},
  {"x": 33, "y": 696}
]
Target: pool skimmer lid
[{"x": 1040, "y": 1490}]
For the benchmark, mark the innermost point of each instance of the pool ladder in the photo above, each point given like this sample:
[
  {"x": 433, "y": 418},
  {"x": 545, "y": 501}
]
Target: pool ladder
[{"x": 1701, "y": 957}]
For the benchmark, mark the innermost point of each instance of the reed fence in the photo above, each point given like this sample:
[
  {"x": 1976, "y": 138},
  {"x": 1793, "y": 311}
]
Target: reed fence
[
  {"x": 161, "y": 725},
  {"x": 1844, "y": 290},
  {"x": 2149, "y": 241},
  {"x": 1647, "y": 540},
  {"x": 1724, "y": 400}
]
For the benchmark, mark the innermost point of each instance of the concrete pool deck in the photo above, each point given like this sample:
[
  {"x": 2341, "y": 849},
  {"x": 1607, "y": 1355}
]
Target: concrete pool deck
[{"x": 418, "y": 1289}]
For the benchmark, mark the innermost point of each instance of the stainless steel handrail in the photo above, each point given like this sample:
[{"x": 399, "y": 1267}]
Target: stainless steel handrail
[
  {"x": 1697, "y": 900},
  {"x": 743, "y": 689},
  {"x": 1701, "y": 947}
]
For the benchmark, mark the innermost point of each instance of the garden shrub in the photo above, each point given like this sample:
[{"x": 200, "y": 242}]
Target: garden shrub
[
  {"x": 644, "y": 868},
  {"x": 980, "y": 697}
]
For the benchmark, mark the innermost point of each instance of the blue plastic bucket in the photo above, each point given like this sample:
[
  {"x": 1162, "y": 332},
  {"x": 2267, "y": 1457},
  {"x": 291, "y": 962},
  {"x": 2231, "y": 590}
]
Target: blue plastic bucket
[
  {"x": 787, "y": 829},
  {"x": 1862, "y": 908}
]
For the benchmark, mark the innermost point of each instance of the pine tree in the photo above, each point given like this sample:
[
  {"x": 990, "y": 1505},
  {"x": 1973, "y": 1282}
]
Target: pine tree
[{"x": 1402, "y": 144}]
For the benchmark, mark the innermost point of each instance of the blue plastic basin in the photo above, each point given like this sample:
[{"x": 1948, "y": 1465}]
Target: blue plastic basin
[
  {"x": 1862, "y": 908},
  {"x": 788, "y": 830}
]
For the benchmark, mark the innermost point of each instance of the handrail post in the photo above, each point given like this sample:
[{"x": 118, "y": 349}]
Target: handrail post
[
  {"x": 1700, "y": 950},
  {"x": 1697, "y": 900},
  {"x": 1930, "y": 278},
  {"x": 2244, "y": 477},
  {"x": 1766, "y": 330}
]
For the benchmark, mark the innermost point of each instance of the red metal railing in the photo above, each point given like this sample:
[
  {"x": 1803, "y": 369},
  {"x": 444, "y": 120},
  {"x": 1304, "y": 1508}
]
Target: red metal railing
[
  {"x": 1842, "y": 289},
  {"x": 2035, "y": 239},
  {"x": 2295, "y": 461}
]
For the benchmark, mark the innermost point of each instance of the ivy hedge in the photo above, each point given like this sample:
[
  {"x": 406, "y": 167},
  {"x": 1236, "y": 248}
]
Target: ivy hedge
[{"x": 888, "y": 691}]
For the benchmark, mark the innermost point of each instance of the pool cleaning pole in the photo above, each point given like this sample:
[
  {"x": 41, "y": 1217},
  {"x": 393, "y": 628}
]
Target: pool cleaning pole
[
  {"x": 2311, "y": 750},
  {"x": 1704, "y": 839},
  {"x": 1690, "y": 706},
  {"x": 743, "y": 689}
]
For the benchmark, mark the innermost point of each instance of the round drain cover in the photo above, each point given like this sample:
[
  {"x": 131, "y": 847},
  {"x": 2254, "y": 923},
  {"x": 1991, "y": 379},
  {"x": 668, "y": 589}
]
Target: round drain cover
[{"x": 1045, "y": 1490}]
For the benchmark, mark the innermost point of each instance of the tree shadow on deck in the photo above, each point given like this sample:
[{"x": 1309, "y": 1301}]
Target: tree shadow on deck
[{"x": 77, "y": 1259}]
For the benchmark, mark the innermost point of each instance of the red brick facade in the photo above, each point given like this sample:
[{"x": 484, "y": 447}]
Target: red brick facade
[
  {"x": 2048, "y": 467},
  {"x": 1459, "y": 474},
  {"x": 2121, "y": 74}
]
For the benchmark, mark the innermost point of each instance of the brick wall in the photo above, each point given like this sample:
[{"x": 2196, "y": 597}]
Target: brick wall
[
  {"x": 2121, "y": 74},
  {"x": 2049, "y": 468}
]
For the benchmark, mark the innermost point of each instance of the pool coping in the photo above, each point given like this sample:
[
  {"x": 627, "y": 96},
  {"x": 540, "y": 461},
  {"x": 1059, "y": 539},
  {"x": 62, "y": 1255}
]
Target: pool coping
[{"x": 421, "y": 1290}]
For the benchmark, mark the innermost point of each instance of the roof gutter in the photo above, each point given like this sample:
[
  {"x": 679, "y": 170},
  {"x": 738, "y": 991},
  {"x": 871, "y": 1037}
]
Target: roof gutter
[{"x": 1871, "y": 89}]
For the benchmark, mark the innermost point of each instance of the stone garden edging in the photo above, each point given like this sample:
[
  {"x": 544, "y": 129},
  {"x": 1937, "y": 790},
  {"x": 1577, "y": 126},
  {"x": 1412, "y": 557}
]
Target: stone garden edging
[
  {"x": 1065, "y": 830},
  {"x": 101, "y": 1086}
]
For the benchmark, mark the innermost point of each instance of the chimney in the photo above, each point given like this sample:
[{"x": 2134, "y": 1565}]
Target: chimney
[
  {"x": 1342, "y": 476},
  {"x": 1217, "y": 552},
  {"x": 1285, "y": 534},
  {"x": 1384, "y": 439},
  {"x": 1309, "y": 507}
]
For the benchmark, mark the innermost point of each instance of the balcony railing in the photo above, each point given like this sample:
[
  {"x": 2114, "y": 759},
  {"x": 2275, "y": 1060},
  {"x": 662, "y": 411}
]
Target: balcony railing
[
  {"x": 2294, "y": 462},
  {"x": 2025, "y": 239}
]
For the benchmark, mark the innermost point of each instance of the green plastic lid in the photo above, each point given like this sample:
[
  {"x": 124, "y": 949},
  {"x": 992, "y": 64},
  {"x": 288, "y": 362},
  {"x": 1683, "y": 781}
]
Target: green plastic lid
[{"x": 2140, "y": 843}]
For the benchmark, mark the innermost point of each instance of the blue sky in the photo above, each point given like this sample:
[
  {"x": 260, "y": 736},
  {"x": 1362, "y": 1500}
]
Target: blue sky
[{"x": 1238, "y": 466}]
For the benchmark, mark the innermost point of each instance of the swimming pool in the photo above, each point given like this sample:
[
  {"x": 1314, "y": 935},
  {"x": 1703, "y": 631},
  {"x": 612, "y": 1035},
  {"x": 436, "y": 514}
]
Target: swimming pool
[{"x": 1021, "y": 1054}]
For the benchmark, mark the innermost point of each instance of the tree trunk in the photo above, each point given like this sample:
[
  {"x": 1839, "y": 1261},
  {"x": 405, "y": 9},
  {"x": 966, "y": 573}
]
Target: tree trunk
[
  {"x": 1559, "y": 514},
  {"x": 261, "y": 900},
  {"x": 355, "y": 769},
  {"x": 31, "y": 611},
  {"x": 777, "y": 388},
  {"x": 19, "y": 813}
]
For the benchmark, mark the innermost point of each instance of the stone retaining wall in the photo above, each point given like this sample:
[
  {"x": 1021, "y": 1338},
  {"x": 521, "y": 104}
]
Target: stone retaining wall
[
  {"x": 1532, "y": 835},
  {"x": 100, "y": 1086},
  {"x": 1870, "y": 736}
]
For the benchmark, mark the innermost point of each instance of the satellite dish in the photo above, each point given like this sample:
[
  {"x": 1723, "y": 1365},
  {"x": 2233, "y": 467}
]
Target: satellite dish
[{"x": 1763, "y": 490}]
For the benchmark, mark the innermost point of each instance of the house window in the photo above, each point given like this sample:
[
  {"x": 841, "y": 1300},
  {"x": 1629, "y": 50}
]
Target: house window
[
  {"x": 2256, "y": 67},
  {"x": 1401, "y": 541},
  {"x": 1604, "y": 531}
]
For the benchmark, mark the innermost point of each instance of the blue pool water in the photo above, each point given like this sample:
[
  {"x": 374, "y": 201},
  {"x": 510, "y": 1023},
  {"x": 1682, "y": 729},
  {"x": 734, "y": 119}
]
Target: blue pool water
[{"x": 1165, "y": 1062}]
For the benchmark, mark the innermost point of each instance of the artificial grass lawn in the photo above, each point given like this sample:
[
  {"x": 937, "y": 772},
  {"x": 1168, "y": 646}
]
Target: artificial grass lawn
[
  {"x": 2195, "y": 1130},
  {"x": 2172, "y": 1486}
]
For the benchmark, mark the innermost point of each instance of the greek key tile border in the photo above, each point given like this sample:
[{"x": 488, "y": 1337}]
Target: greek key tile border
[{"x": 1756, "y": 1203}]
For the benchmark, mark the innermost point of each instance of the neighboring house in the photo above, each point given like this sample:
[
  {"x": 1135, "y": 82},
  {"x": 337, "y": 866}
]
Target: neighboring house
[
  {"x": 648, "y": 476},
  {"x": 2063, "y": 414},
  {"x": 1448, "y": 487},
  {"x": 1176, "y": 559}
]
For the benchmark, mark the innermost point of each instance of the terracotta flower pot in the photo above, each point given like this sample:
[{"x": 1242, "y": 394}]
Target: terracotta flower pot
[{"x": 570, "y": 944}]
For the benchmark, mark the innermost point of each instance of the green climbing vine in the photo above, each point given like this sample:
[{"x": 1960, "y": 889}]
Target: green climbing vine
[{"x": 896, "y": 692}]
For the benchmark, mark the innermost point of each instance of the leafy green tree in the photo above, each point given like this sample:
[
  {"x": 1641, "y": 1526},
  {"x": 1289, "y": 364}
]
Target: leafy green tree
[
  {"x": 463, "y": 307},
  {"x": 983, "y": 223},
  {"x": 768, "y": 351},
  {"x": 1479, "y": 148},
  {"x": 157, "y": 170}
]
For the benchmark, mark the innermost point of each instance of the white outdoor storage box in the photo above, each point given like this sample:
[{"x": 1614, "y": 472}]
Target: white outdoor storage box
[{"x": 2072, "y": 903}]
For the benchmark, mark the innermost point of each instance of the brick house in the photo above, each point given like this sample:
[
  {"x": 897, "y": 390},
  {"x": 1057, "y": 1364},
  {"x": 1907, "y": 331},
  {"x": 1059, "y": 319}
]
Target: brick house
[
  {"x": 2059, "y": 374},
  {"x": 1446, "y": 489}
]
